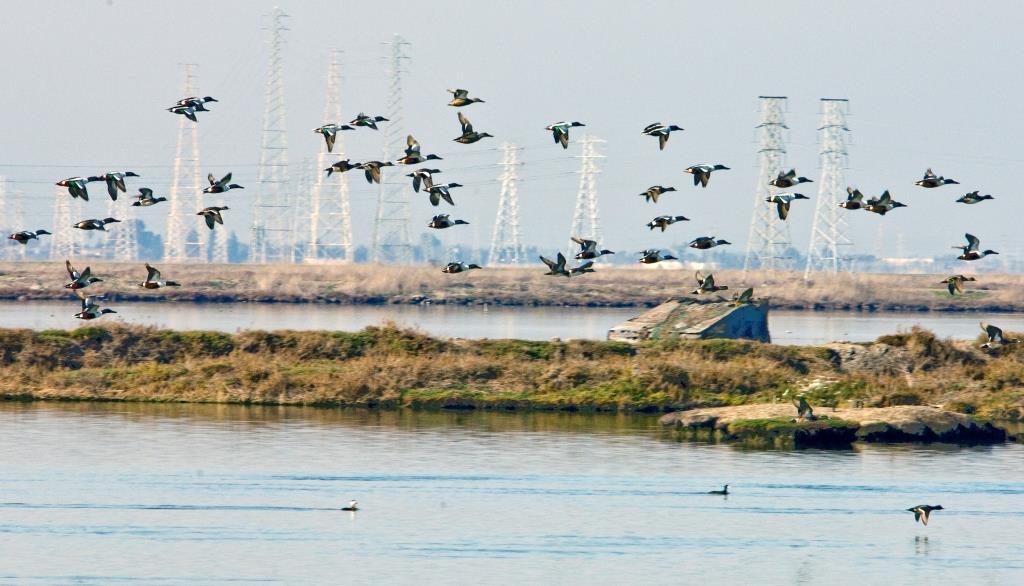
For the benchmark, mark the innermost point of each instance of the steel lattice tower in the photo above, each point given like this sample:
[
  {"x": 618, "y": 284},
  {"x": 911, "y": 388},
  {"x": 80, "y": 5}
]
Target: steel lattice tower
[
  {"x": 391, "y": 227},
  {"x": 768, "y": 238},
  {"x": 829, "y": 231},
  {"x": 586, "y": 219},
  {"x": 66, "y": 242},
  {"x": 123, "y": 239},
  {"x": 330, "y": 224},
  {"x": 506, "y": 241},
  {"x": 272, "y": 227},
  {"x": 182, "y": 241}
]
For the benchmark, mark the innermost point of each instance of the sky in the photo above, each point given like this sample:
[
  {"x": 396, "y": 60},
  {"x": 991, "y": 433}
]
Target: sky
[{"x": 87, "y": 84}]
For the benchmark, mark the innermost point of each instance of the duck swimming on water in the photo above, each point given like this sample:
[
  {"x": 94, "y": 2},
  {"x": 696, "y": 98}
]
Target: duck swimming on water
[
  {"x": 724, "y": 491},
  {"x": 930, "y": 180},
  {"x": 560, "y": 131},
  {"x": 661, "y": 131},
  {"x": 25, "y": 235},
  {"x": 352, "y": 506}
]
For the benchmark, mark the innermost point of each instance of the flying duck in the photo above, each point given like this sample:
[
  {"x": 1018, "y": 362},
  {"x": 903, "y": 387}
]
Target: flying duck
[
  {"x": 153, "y": 280},
  {"x": 702, "y": 173},
  {"x": 145, "y": 198},
  {"x": 25, "y": 235},
  {"x": 661, "y": 131},
  {"x": 706, "y": 242},
  {"x": 91, "y": 307},
  {"x": 341, "y": 167},
  {"x": 654, "y": 191},
  {"x": 196, "y": 103},
  {"x": 461, "y": 98},
  {"x": 221, "y": 186},
  {"x": 560, "y": 132},
  {"x": 412, "y": 153},
  {"x": 368, "y": 121},
  {"x": 883, "y": 204},
  {"x": 854, "y": 199},
  {"x": 212, "y": 215},
  {"x": 782, "y": 202},
  {"x": 706, "y": 284},
  {"x": 77, "y": 186},
  {"x": 439, "y": 192},
  {"x": 973, "y": 197},
  {"x": 469, "y": 136},
  {"x": 665, "y": 221},
  {"x": 186, "y": 111},
  {"x": 651, "y": 256},
  {"x": 458, "y": 267},
  {"x": 788, "y": 179},
  {"x": 588, "y": 249},
  {"x": 115, "y": 181},
  {"x": 744, "y": 298},
  {"x": 956, "y": 283},
  {"x": 442, "y": 221},
  {"x": 372, "y": 170},
  {"x": 921, "y": 512},
  {"x": 330, "y": 133},
  {"x": 724, "y": 491},
  {"x": 587, "y": 267},
  {"x": 556, "y": 267},
  {"x": 351, "y": 506},
  {"x": 79, "y": 280},
  {"x": 931, "y": 180},
  {"x": 424, "y": 176},
  {"x": 95, "y": 224},
  {"x": 970, "y": 251}
]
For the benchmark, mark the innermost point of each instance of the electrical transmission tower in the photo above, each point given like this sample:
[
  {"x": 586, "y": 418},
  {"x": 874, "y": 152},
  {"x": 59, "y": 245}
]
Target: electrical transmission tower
[
  {"x": 330, "y": 224},
  {"x": 273, "y": 218},
  {"x": 122, "y": 241},
  {"x": 66, "y": 242},
  {"x": 829, "y": 233},
  {"x": 506, "y": 242},
  {"x": 586, "y": 220},
  {"x": 13, "y": 221},
  {"x": 768, "y": 239},
  {"x": 391, "y": 227},
  {"x": 182, "y": 241}
]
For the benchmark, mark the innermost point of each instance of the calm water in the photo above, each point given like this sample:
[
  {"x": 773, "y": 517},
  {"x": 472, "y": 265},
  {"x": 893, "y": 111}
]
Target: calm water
[
  {"x": 787, "y": 327},
  {"x": 174, "y": 495}
]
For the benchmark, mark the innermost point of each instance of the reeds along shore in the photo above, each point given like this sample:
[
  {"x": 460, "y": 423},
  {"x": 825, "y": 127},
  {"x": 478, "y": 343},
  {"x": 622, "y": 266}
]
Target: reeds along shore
[
  {"x": 390, "y": 367},
  {"x": 367, "y": 283}
]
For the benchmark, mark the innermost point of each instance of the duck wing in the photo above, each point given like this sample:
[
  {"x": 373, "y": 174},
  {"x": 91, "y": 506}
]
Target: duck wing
[
  {"x": 467, "y": 126},
  {"x": 211, "y": 179},
  {"x": 560, "y": 262},
  {"x": 412, "y": 146},
  {"x": 953, "y": 286},
  {"x": 329, "y": 138},
  {"x": 446, "y": 195},
  {"x": 662, "y": 141},
  {"x": 549, "y": 262},
  {"x": 112, "y": 188},
  {"x": 783, "y": 208},
  {"x": 972, "y": 242},
  {"x": 153, "y": 274},
  {"x": 224, "y": 181},
  {"x": 705, "y": 176},
  {"x": 562, "y": 137},
  {"x": 416, "y": 182},
  {"x": 208, "y": 217},
  {"x": 71, "y": 271},
  {"x": 435, "y": 197}
]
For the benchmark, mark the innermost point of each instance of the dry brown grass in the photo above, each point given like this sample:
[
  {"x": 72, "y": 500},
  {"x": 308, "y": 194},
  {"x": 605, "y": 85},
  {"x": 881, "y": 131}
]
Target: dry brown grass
[
  {"x": 366, "y": 283},
  {"x": 390, "y": 367}
]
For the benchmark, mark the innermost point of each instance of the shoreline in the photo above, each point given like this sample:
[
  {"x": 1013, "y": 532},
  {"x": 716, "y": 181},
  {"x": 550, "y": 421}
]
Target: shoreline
[
  {"x": 388, "y": 367},
  {"x": 612, "y": 286}
]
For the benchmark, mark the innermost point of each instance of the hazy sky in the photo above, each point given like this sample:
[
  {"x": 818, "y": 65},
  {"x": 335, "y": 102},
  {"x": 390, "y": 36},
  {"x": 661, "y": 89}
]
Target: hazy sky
[{"x": 929, "y": 83}]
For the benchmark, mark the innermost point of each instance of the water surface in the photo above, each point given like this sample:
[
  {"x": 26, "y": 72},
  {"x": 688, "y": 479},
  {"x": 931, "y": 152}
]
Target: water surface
[{"x": 193, "y": 494}]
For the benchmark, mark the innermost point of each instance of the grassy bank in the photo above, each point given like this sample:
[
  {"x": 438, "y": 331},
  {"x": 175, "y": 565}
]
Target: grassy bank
[
  {"x": 364, "y": 283},
  {"x": 390, "y": 367}
]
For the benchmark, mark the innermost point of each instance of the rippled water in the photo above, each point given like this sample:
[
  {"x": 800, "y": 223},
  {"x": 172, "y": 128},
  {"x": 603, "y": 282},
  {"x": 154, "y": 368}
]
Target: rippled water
[
  {"x": 186, "y": 494},
  {"x": 530, "y": 323}
]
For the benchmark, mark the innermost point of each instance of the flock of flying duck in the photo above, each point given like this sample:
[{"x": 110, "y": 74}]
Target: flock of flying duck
[{"x": 423, "y": 181}]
